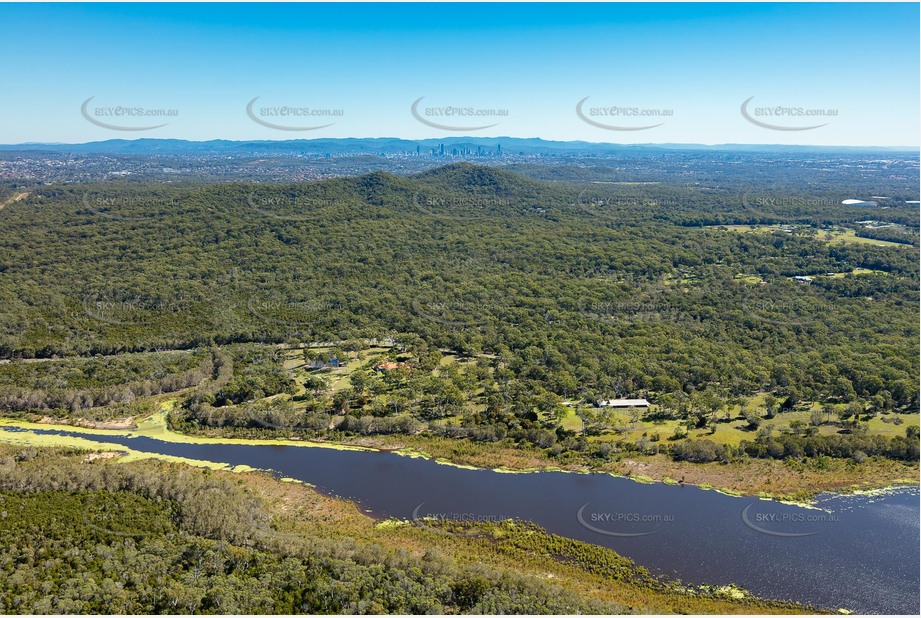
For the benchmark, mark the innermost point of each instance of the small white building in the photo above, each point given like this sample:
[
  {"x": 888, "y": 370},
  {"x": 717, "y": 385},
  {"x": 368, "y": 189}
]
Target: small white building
[
  {"x": 859, "y": 203},
  {"x": 624, "y": 403}
]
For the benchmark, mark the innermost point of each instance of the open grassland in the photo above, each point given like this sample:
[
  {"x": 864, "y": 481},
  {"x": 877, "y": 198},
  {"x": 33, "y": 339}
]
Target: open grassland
[
  {"x": 836, "y": 235},
  {"x": 298, "y": 368},
  {"x": 731, "y": 427},
  {"x": 849, "y": 236}
]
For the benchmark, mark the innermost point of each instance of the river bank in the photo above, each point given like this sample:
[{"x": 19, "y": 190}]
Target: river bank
[
  {"x": 297, "y": 521},
  {"x": 767, "y": 478},
  {"x": 688, "y": 526}
]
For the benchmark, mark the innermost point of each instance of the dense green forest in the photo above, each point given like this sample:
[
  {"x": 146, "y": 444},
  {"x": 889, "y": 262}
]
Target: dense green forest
[
  {"x": 465, "y": 306},
  {"x": 582, "y": 289},
  {"x": 77, "y": 384}
]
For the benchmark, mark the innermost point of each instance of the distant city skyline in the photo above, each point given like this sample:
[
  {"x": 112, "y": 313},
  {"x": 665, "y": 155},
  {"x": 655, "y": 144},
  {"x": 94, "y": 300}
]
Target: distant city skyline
[{"x": 765, "y": 73}]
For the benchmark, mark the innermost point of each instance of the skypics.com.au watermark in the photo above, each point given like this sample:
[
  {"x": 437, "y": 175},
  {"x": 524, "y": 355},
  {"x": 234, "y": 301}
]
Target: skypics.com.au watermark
[
  {"x": 289, "y": 312},
  {"x": 122, "y": 310},
  {"x": 419, "y": 516},
  {"x": 623, "y": 209},
  {"x": 291, "y": 117},
  {"x": 291, "y": 207},
  {"x": 129, "y": 207},
  {"x": 778, "y": 117},
  {"x": 622, "y": 523},
  {"x": 624, "y": 116},
  {"x": 448, "y": 117},
  {"x": 631, "y": 311},
  {"x": 450, "y": 311},
  {"x": 787, "y": 524},
  {"x": 801, "y": 311},
  {"x": 785, "y": 208},
  {"x": 125, "y": 117},
  {"x": 458, "y": 207}
]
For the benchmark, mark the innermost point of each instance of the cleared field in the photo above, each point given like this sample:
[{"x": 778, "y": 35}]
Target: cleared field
[
  {"x": 834, "y": 235},
  {"x": 338, "y": 377},
  {"x": 857, "y": 271},
  {"x": 849, "y": 236},
  {"x": 731, "y": 427},
  {"x": 753, "y": 279}
]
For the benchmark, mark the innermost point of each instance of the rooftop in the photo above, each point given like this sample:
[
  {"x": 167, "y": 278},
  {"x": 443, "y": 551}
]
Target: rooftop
[{"x": 624, "y": 403}]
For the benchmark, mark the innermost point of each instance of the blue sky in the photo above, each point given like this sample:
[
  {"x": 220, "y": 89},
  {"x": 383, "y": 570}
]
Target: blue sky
[{"x": 368, "y": 64}]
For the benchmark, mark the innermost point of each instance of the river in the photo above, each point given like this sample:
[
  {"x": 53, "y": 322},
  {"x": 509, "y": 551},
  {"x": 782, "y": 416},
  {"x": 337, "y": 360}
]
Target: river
[{"x": 858, "y": 552}]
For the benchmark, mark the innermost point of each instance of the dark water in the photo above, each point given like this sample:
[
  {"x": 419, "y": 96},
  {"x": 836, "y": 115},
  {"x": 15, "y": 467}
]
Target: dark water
[{"x": 862, "y": 555}]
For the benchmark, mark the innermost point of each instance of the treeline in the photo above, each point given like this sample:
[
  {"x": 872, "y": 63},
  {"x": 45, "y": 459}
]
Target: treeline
[
  {"x": 535, "y": 425},
  {"x": 280, "y": 417},
  {"x": 257, "y": 373},
  {"x": 75, "y": 385},
  {"x": 904, "y": 235},
  {"x": 788, "y": 445},
  {"x": 242, "y": 373}
]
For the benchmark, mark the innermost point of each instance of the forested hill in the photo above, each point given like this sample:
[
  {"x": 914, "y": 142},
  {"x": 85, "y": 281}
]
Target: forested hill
[{"x": 580, "y": 287}]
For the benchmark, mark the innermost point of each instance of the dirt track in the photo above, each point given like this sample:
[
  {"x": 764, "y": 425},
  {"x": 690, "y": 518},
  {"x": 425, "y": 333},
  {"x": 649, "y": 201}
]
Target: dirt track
[{"x": 17, "y": 197}]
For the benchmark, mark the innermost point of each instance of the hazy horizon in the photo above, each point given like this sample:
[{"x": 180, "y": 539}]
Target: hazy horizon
[{"x": 450, "y": 138}]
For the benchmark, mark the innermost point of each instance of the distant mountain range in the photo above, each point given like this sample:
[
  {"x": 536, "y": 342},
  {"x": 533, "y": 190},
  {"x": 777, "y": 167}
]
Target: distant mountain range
[{"x": 394, "y": 146}]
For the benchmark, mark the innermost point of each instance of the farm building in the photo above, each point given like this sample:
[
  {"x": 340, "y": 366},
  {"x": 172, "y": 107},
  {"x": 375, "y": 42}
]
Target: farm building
[{"x": 624, "y": 403}]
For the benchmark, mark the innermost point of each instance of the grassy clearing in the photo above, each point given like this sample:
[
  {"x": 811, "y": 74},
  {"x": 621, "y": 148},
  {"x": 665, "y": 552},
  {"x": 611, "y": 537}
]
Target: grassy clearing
[
  {"x": 298, "y": 369},
  {"x": 831, "y": 235},
  {"x": 731, "y": 427},
  {"x": 752, "y": 279},
  {"x": 857, "y": 272},
  {"x": 571, "y": 422},
  {"x": 849, "y": 236}
]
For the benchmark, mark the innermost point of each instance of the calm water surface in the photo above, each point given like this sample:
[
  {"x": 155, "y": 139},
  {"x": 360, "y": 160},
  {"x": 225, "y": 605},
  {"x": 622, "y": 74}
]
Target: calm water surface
[{"x": 857, "y": 552}]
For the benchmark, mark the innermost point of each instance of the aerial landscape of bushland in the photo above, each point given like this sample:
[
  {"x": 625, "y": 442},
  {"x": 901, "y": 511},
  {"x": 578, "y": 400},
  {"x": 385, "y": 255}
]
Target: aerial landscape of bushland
[
  {"x": 540, "y": 341},
  {"x": 476, "y": 314},
  {"x": 498, "y": 316}
]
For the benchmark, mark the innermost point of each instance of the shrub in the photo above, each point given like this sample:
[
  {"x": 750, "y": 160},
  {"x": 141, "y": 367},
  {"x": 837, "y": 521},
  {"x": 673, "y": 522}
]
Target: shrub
[{"x": 699, "y": 451}]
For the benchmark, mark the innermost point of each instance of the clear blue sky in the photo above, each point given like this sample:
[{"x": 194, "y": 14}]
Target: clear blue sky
[{"x": 371, "y": 61}]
